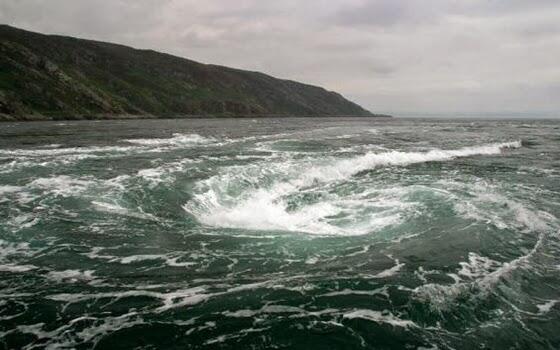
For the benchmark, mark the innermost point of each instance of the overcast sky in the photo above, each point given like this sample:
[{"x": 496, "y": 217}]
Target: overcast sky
[{"x": 416, "y": 56}]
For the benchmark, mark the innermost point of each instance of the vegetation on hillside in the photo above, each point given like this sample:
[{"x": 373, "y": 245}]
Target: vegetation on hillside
[{"x": 56, "y": 77}]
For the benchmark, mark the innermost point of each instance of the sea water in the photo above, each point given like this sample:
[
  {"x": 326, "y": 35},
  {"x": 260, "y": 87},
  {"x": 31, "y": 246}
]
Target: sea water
[{"x": 320, "y": 233}]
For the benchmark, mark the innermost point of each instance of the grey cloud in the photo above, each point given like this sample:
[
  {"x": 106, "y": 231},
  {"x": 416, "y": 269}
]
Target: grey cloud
[
  {"x": 388, "y": 55},
  {"x": 387, "y": 13}
]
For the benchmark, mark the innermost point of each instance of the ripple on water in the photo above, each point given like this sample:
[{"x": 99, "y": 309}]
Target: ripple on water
[{"x": 382, "y": 234}]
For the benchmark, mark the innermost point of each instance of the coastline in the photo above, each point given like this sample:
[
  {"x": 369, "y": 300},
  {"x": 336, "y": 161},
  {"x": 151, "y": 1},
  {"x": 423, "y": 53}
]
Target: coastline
[{"x": 36, "y": 118}]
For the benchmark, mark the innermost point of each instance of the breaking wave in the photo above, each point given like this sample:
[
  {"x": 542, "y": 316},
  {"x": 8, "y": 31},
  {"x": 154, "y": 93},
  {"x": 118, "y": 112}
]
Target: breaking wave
[
  {"x": 176, "y": 139},
  {"x": 227, "y": 201}
]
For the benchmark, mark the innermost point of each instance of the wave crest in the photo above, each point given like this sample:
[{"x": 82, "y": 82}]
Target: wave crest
[
  {"x": 176, "y": 140},
  {"x": 259, "y": 196}
]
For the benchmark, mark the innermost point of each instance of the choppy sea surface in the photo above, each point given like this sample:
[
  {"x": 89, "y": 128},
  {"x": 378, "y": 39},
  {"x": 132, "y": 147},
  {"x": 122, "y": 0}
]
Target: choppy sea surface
[{"x": 280, "y": 234}]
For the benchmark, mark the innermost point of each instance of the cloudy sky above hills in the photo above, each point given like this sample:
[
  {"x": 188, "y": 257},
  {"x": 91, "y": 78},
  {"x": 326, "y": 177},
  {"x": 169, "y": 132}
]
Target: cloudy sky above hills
[{"x": 415, "y": 56}]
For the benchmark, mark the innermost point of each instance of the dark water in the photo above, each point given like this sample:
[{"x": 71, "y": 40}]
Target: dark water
[{"x": 280, "y": 233}]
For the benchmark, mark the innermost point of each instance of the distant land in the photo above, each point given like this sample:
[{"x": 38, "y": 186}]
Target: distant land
[{"x": 44, "y": 77}]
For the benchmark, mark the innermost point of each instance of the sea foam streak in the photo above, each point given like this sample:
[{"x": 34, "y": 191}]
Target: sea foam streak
[
  {"x": 263, "y": 206},
  {"x": 175, "y": 140},
  {"x": 12, "y": 160},
  {"x": 140, "y": 145}
]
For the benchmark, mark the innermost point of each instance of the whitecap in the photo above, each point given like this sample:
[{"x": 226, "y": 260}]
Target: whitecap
[
  {"x": 62, "y": 185},
  {"x": 477, "y": 266},
  {"x": 136, "y": 258},
  {"x": 176, "y": 140},
  {"x": 348, "y": 167},
  {"x": 546, "y": 307},
  {"x": 71, "y": 276},
  {"x": 164, "y": 173},
  {"x": 384, "y": 317},
  {"x": 14, "y": 268},
  {"x": 267, "y": 186}
]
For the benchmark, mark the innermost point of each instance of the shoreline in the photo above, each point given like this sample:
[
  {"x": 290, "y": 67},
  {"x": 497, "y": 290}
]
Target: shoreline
[{"x": 6, "y": 118}]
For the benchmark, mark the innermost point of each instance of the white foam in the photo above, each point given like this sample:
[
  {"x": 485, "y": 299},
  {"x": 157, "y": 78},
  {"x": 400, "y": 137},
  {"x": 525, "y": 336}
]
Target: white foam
[
  {"x": 169, "y": 259},
  {"x": 61, "y": 185},
  {"x": 8, "y": 249},
  {"x": 153, "y": 175},
  {"x": 49, "y": 156},
  {"x": 170, "y": 300},
  {"x": 380, "y": 318},
  {"x": 262, "y": 211},
  {"x": 546, "y": 307},
  {"x": 9, "y": 189},
  {"x": 113, "y": 208},
  {"x": 19, "y": 222},
  {"x": 241, "y": 313},
  {"x": 71, "y": 275},
  {"x": 173, "y": 261},
  {"x": 489, "y": 280},
  {"x": 136, "y": 258},
  {"x": 182, "y": 297},
  {"x": 217, "y": 208},
  {"x": 176, "y": 140},
  {"x": 164, "y": 172},
  {"x": 262, "y": 204},
  {"x": 362, "y": 250},
  {"x": 266, "y": 210},
  {"x": 379, "y": 291},
  {"x": 477, "y": 266},
  {"x": 391, "y": 271},
  {"x": 312, "y": 260},
  {"x": 95, "y": 328},
  {"x": 489, "y": 206},
  {"x": 293, "y": 311},
  {"x": 14, "y": 268},
  {"x": 348, "y": 167},
  {"x": 50, "y": 152},
  {"x": 240, "y": 334},
  {"x": 483, "y": 275}
]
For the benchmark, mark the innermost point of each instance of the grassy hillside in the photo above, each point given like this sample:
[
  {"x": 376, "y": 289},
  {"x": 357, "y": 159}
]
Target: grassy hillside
[{"x": 47, "y": 76}]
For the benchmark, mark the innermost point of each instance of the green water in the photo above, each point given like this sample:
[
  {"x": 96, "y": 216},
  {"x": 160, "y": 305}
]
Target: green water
[{"x": 280, "y": 233}]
